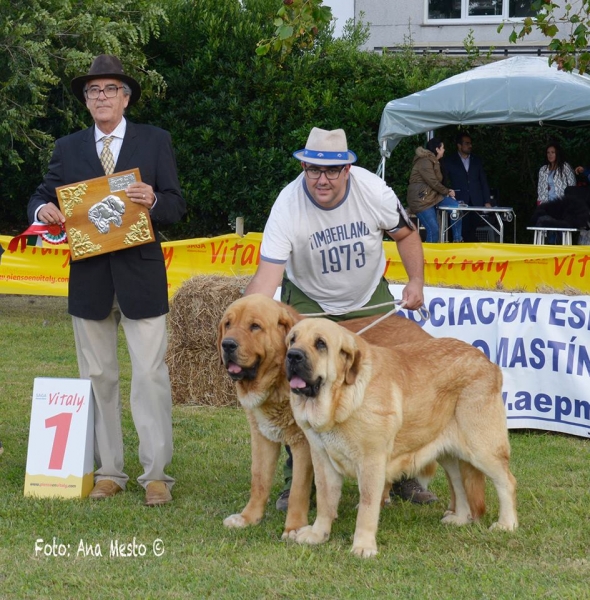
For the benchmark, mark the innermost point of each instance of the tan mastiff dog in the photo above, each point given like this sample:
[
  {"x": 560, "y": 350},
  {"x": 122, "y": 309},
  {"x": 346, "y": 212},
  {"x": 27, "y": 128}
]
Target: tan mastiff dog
[{"x": 374, "y": 413}]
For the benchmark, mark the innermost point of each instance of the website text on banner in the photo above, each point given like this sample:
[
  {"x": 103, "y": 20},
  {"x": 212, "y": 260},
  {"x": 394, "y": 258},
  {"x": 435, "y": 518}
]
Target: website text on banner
[
  {"x": 539, "y": 341},
  {"x": 44, "y": 271}
]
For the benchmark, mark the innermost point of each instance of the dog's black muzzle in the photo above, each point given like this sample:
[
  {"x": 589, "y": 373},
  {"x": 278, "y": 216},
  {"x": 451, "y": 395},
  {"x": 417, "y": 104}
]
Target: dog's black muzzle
[
  {"x": 298, "y": 368},
  {"x": 229, "y": 347}
]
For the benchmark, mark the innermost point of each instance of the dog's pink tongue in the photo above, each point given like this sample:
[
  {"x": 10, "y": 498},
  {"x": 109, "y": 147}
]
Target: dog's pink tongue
[
  {"x": 233, "y": 368},
  {"x": 297, "y": 383}
]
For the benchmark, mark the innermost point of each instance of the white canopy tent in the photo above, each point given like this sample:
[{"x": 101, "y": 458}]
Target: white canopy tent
[{"x": 522, "y": 89}]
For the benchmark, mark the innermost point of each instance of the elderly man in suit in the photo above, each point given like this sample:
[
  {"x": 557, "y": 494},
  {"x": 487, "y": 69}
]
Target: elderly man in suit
[
  {"x": 126, "y": 286},
  {"x": 466, "y": 176}
]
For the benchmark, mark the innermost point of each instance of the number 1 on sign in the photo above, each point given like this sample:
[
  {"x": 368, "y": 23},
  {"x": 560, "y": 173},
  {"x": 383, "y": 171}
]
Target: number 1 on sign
[{"x": 62, "y": 424}]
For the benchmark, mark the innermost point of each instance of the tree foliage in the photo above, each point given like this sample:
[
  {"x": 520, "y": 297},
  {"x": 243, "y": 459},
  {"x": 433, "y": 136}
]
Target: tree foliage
[
  {"x": 43, "y": 45},
  {"x": 567, "y": 26},
  {"x": 297, "y": 23}
]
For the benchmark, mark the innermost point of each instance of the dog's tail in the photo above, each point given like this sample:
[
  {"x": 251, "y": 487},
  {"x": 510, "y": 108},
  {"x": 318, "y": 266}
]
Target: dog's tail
[{"x": 474, "y": 482}]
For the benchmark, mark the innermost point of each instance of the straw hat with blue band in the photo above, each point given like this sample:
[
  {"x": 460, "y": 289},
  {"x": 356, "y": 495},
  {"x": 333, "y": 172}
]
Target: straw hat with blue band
[{"x": 326, "y": 148}]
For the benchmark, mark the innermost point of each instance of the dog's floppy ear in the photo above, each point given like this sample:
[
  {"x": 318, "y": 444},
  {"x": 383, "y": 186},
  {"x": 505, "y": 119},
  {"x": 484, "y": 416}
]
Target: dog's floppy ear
[
  {"x": 287, "y": 317},
  {"x": 295, "y": 315},
  {"x": 219, "y": 337},
  {"x": 353, "y": 357}
]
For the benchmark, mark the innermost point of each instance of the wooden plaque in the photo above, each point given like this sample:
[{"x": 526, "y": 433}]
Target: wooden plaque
[{"x": 101, "y": 218}]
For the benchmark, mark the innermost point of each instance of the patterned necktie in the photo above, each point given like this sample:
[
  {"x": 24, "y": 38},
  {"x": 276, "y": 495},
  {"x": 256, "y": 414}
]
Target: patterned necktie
[{"x": 106, "y": 156}]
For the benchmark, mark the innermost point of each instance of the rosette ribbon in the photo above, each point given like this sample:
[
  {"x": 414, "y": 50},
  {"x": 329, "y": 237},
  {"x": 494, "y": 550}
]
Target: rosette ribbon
[{"x": 52, "y": 234}]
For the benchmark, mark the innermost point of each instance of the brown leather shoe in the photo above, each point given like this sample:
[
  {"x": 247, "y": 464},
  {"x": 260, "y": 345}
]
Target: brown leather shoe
[
  {"x": 157, "y": 493},
  {"x": 410, "y": 489},
  {"x": 105, "y": 488},
  {"x": 282, "y": 503}
]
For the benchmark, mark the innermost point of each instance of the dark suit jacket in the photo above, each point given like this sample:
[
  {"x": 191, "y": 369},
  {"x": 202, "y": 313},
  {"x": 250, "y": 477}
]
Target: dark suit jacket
[
  {"x": 137, "y": 275},
  {"x": 471, "y": 187}
]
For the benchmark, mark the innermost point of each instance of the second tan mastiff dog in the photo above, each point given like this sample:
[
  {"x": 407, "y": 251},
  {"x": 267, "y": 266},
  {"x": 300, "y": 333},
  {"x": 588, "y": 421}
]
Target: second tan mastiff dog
[{"x": 376, "y": 413}]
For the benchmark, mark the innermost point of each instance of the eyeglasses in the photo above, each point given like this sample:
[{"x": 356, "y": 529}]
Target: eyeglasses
[
  {"x": 331, "y": 172},
  {"x": 109, "y": 91}
]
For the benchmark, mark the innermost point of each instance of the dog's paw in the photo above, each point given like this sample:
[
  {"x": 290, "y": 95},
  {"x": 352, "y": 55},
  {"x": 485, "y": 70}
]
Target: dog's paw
[
  {"x": 306, "y": 535},
  {"x": 291, "y": 535},
  {"x": 364, "y": 552},
  {"x": 503, "y": 526},
  {"x": 451, "y": 518},
  {"x": 235, "y": 522}
]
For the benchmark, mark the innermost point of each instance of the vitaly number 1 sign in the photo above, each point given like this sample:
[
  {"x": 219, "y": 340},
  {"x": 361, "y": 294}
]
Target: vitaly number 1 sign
[{"x": 60, "y": 457}]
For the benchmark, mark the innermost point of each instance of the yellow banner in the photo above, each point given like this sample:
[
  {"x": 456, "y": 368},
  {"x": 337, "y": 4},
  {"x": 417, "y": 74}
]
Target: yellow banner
[
  {"x": 517, "y": 267},
  {"x": 44, "y": 270}
]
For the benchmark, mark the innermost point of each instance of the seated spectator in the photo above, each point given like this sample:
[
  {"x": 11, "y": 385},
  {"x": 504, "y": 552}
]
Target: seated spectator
[
  {"x": 555, "y": 175},
  {"x": 426, "y": 190},
  {"x": 572, "y": 211},
  {"x": 583, "y": 172}
]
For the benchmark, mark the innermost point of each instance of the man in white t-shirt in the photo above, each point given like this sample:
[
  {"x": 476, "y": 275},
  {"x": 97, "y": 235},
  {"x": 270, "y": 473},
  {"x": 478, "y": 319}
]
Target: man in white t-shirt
[{"x": 323, "y": 243}]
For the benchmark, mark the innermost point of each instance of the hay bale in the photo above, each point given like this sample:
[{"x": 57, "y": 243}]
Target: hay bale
[{"x": 196, "y": 375}]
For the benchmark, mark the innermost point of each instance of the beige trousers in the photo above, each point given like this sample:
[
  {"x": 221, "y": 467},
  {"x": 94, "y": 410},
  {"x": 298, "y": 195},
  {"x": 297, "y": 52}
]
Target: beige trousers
[{"x": 151, "y": 399}]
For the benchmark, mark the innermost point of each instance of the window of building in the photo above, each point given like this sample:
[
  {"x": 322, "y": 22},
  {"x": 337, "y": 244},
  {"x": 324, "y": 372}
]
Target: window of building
[{"x": 472, "y": 9}]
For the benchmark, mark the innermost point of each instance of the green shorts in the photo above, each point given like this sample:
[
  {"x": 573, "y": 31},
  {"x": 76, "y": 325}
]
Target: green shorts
[{"x": 293, "y": 296}]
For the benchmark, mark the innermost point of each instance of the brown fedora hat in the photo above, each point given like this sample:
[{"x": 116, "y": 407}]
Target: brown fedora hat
[{"x": 106, "y": 66}]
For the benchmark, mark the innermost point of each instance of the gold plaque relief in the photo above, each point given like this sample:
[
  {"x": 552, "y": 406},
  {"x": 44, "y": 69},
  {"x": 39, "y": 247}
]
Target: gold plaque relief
[
  {"x": 71, "y": 196},
  {"x": 139, "y": 232},
  {"x": 81, "y": 244}
]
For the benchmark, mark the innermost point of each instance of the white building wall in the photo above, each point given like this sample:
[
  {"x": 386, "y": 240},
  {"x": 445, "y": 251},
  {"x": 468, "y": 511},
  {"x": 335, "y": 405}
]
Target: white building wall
[{"x": 395, "y": 22}]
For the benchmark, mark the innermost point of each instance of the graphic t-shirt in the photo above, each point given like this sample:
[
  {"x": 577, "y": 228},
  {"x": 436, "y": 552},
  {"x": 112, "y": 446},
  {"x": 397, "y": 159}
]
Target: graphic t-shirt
[{"x": 335, "y": 255}]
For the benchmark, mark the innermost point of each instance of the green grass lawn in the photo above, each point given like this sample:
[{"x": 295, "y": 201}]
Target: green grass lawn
[{"x": 547, "y": 557}]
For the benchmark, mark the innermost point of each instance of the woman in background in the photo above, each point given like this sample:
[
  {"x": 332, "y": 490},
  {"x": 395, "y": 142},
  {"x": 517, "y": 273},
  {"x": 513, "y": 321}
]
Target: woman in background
[
  {"x": 554, "y": 176},
  {"x": 426, "y": 190}
]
